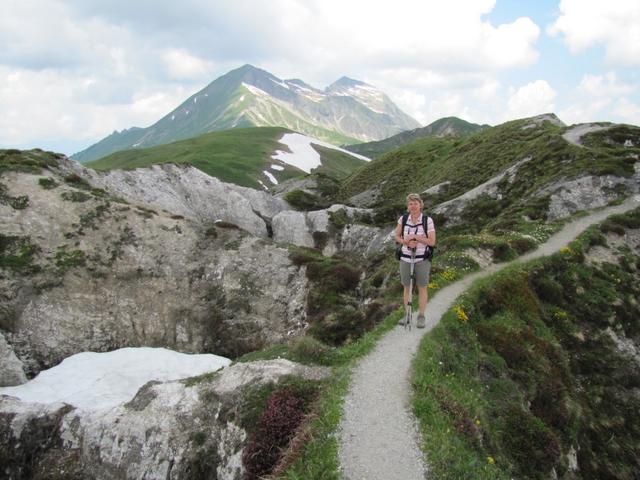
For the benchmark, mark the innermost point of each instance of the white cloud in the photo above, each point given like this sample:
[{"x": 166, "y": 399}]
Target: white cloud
[
  {"x": 627, "y": 110},
  {"x": 612, "y": 23},
  {"x": 601, "y": 97},
  {"x": 102, "y": 66},
  {"x": 44, "y": 105},
  {"x": 606, "y": 85},
  {"x": 182, "y": 65},
  {"x": 532, "y": 99}
]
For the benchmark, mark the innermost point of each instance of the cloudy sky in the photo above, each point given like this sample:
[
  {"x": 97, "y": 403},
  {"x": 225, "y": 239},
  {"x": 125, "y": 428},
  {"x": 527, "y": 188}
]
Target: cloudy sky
[{"x": 72, "y": 71}]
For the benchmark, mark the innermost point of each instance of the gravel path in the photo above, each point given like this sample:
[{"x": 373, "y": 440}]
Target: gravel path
[
  {"x": 574, "y": 134},
  {"x": 378, "y": 435}
]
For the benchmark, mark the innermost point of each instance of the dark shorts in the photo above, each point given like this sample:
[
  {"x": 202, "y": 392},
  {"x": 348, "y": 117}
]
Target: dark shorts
[{"x": 422, "y": 270}]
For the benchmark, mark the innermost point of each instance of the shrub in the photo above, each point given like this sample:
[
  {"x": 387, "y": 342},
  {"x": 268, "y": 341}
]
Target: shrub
[
  {"x": 301, "y": 257},
  {"x": 281, "y": 417},
  {"x": 502, "y": 252},
  {"x": 17, "y": 253},
  {"x": 522, "y": 245},
  {"x": 20, "y": 202},
  {"x": 75, "y": 196},
  {"x": 77, "y": 181},
  {"x": 308, "y": 348},
  {"x": 342, "y": 326},
  {"x": 211, "y": 232},
  {"x": 339, "y": 219},
  {"x": 65, "y": 260},
  {"x": 47, "y": 183},
  {"x": 532, "y": 445},
  {"x": 610, "y": 226},
  {"x": 509, "y": 291},
  {"x": 333, "y": 275},
  {"x": 301, "y": 200},
  {"x": 548, "y": 290},
  {"x": 320, "y": 240}
]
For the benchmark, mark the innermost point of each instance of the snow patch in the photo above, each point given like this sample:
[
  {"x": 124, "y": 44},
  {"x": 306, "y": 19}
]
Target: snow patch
[
  {"x": 277, "y": 167},
  {"x": 92, "y": 380},
  {"x": 280, "y": 82},
  {"x": 195, "y": 99},
  {"x": 263, "y": 185},
  {"x": 255, "y": 90},
  {"x": 302, "y": 154},
  {"x": 173, "y": 117},
  {"x": 270, "y": 176}
]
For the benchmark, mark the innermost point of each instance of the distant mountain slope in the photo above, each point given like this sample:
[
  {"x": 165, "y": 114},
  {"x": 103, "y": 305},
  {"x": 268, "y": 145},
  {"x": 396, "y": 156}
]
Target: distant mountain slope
[
  {"x": 348, "y": 111},
  {"x": 253, "y": 157},
  {"x": 444, "y": 127}
]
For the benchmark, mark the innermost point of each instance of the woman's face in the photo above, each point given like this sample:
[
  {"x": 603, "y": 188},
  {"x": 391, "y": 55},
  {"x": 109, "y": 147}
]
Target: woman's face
[{"x": 413, "y": 206}]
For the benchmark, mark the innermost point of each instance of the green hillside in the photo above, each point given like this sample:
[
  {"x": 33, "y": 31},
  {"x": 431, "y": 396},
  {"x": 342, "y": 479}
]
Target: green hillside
[
  {"x": 444, "y": 127},
  {"x": 468, "y": 162},
  {"x": 523, "y": 369},
  {"x": 237, "y": 156}
]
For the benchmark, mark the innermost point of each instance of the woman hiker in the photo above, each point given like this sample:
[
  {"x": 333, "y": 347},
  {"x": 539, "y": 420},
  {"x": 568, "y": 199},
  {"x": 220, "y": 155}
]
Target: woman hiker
[{"x": 419, "y": 232}]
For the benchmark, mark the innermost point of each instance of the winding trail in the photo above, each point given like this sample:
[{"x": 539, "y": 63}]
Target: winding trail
[{"x": 378, "y": 436}]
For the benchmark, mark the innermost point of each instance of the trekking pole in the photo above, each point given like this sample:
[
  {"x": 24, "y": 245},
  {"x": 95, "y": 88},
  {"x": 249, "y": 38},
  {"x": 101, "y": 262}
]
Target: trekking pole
[{"x": 408, "y": 312}]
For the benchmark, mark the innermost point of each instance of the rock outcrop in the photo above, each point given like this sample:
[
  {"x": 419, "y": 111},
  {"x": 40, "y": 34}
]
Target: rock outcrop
[
  {"x": 453, "y": 208},
  {"x": 177, "y": 430},
  {"x": 11, "y": 368},
  {"x": 568, "y": 196},
  {"x": 97, "y": 273},
  {"x": 185, "y": 190},
  {"x": 332, "y": 229}
]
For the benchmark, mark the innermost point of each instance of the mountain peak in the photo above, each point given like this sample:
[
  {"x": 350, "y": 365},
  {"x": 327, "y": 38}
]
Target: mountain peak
[
  {"x": 346, "y": 82},
  {"x": 347, "y": 111}
]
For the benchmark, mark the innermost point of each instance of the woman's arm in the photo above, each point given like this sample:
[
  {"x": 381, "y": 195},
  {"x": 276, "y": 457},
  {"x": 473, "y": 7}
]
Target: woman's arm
[
  {"x": 399, "y": 238},
  {"x": 429, "y": 239}
]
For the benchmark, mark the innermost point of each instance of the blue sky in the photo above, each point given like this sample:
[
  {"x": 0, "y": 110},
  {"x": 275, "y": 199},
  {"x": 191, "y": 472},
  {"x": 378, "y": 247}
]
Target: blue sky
[{"x": 79, "y": 69}]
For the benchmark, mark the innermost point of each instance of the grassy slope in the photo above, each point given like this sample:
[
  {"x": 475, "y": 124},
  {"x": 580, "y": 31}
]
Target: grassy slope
[
  {"x": 237, "y": 156},
  {"x": 471, "y": 161},
  {"x": 437, "y": 128},
  {"x": 336, "y": 163},
  {"x": 524, "y": 370}
]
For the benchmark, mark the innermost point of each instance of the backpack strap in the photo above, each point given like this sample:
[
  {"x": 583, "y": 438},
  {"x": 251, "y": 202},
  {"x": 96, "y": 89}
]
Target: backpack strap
[{"x": 405, "y": 218}]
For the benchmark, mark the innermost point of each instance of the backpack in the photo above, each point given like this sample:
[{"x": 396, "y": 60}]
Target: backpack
[{"x": 428, "y": 252}]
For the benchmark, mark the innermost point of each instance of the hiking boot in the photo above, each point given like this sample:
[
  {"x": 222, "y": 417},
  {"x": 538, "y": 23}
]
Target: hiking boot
[{"x": 420, "y": 323}]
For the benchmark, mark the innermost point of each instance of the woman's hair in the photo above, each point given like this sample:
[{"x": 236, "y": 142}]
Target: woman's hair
[{"x": 415, "y": 197}]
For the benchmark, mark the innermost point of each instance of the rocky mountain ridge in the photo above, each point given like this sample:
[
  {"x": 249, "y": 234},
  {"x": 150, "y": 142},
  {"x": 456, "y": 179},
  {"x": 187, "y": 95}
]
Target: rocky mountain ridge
[{"x": 347, "y": 111}]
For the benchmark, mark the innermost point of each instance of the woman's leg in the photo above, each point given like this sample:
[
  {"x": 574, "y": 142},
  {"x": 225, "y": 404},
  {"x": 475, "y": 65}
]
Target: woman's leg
[{"x": 422, "y": 299}]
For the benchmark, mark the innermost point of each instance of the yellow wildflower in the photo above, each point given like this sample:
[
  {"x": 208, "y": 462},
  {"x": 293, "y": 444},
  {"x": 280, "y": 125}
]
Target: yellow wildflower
[
  {"x": 560, "y": 314},
  {"x": 462, "y": 316},
  {"x": 490, "y": 460},
  {"x": 448, "y": 275}
]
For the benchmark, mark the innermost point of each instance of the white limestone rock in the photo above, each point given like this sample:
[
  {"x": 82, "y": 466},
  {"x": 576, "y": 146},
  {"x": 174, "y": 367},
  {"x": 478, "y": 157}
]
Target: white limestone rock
[
  {"x": 185, "y": 190},
  {"x": 175, "y": 430},
  {"x": 11, "y": 368}
]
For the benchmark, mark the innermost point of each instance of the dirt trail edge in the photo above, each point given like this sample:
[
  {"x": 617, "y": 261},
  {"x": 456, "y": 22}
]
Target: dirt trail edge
[{"x": 378, "y": 435}]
